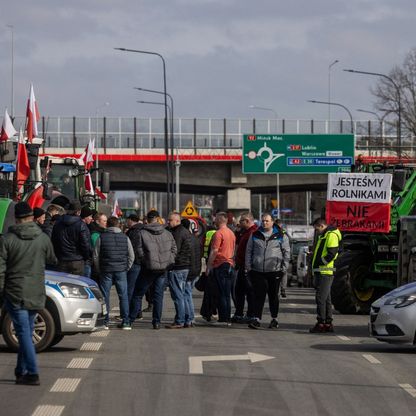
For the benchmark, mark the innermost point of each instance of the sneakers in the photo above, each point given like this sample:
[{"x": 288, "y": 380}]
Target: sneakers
[
  {"x": 274, "y": 324},
  {"x": 236, "y": 319},
  {"x": 156, "y": 326},
  {"x": 283, "y": 293},
  {"x": 317, "y": 329},
  {"x": 139, "y": 316},
  {"x": 28, "y": 380},
  {"x": 329, "y": 327},
  {"x": 254, "y": 324},
  {"x": 189, "y": 325},
  {"x": 126, "y": 326}
]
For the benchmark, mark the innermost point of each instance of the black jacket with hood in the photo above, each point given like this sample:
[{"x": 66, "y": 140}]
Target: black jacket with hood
[{"x": 71, "y": 239}]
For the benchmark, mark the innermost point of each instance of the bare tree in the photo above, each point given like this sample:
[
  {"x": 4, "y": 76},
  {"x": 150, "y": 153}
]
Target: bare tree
[{"x": 387, "y": 95}]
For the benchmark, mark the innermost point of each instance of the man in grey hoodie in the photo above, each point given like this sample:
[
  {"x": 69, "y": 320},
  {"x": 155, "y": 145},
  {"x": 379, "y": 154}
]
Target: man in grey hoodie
[
  {"x": 266, "y": 261},
  {"x": 155, "y": 248},
  {"x": 113, "y": 257}
]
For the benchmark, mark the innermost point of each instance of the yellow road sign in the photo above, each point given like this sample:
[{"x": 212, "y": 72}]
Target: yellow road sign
[{"x": 189, "y": 211}]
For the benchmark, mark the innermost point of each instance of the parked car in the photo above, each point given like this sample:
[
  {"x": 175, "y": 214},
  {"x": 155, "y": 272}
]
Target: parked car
[
  {"x": 74, "y": 304},
  {"x": 296, "y": 245},
  {"x": 393, "y": 316},
  {"x": 302, "y": 266}
]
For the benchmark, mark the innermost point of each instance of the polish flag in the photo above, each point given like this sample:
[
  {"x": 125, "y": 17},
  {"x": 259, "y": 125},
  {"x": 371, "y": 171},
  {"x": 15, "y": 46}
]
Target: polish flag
[
  {"x": 88, "y": 184},
  {"x": 117, "y": 212},
  {"x": 22, "y": 165},
  {"x": 99, "y": 193},
  {"x": 88, "y": 156},
  {"x": 7, "y": 129},
  {"x": 32, "y": 116}
]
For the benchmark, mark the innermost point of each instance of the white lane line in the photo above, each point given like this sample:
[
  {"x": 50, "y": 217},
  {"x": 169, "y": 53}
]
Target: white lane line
[
  {"x": 371, "y": 359},
  {"x": 80, "y": 363},
  {"x": 91, "y": 346},
  {"x": 115, "y": 308},
  {"x": 65, "y": 385},
  {"x": 409, "y": 388},
  {"x": 343, "y": 338},
  {"x": 48, "y": 410},
  {"x": 100, "y": 333}
]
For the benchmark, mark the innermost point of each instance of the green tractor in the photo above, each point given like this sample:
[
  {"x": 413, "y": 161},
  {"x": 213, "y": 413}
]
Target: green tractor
[{"x": 367, "y": 265}]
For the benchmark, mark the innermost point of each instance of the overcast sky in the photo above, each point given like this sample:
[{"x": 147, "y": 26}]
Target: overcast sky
[{"x": 221, "y": 55}]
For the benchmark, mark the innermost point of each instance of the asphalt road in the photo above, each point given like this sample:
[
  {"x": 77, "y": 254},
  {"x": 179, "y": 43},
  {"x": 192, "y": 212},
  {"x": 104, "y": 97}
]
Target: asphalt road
[{"x": 148, "y": 372}]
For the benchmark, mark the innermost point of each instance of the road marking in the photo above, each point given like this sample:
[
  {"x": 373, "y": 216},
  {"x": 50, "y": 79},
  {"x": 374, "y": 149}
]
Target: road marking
[
  {"x": 409, "y": 388},
  {"x": 371, "y": 359},
  {"x": 115, "y": 308},
  {"x": 292, "y": 304},
  {"x": 303, "y": 311},
  {"x": 48, "y": 410},
  {"x": 103, "y": 333},
  {"x": 343, "y": 338},
  {"x": 196, "y": 363},
  {"x": 80, "y": 363},
  {"x": 91, "y": 346},
  {"x": 65, "y": 385}
]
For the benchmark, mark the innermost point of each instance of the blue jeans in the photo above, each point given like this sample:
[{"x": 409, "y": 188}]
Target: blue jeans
[
  {"x": 146, "y": 278},
  {"x": 120, "y": 281},
  {"x": 132, "y": 276},
  {"x": 189, "y": 303},
  {"x": 177, "y": 283},
  {"x": 224, "y": 277},
  {"x": 87, "y": 269},
  {"x": 24, "y": 322}
]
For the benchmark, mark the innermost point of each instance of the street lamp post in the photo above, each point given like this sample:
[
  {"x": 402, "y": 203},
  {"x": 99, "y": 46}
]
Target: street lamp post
[
  {"x": 399, "y": 110},
  {"x": 97, "y": 144},
  {"x": 166, "y": 117},
  {"x": 329, "y": 93},
  {"x": 171, "y": 134},
  {"x": 257, "y": 107},
  {"x": 338, "y": 105}
]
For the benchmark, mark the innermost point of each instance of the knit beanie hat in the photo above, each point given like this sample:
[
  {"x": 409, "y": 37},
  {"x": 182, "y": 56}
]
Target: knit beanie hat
[{"x": 22, "y": 210}]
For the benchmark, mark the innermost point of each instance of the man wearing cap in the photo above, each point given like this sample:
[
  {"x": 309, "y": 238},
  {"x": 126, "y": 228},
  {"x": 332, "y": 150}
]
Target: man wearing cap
[
  {"x": 156, "y": 251},
  {"x": 39, "y": 216},
  {"x": 71, "y": 241},
  {"x": 24, "y": 250}
]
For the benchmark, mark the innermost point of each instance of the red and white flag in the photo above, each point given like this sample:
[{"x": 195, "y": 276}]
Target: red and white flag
[
  {"x": 7, "y": 129},
  {"x": 99, "y": 193},
  {"x": 23, "y": 167},
  {"x": 88, "y": 184},
  {"x": 32, "y": 116},
  {"x": 88, "y": 156},
  {"x": 117, "y": 212}
]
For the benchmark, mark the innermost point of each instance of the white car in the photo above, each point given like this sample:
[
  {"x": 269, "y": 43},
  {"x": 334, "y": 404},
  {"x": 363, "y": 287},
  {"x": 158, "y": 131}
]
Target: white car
[
  {"x": 393, "y": 316},
  {"x": 74, "y": 304},
  {"x": 302, "y": 266}
]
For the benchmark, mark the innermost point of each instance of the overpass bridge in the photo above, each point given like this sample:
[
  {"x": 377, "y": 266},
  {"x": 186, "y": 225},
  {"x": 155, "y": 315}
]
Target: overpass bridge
[{"x": 209, "y": 150}]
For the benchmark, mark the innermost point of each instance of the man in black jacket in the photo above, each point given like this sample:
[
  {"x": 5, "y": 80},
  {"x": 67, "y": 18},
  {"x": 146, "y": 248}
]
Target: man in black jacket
[
  {"x": 179, "y": 273},
  {"x": 194, "y": 272},
  {"x": 71, "y": 241}
]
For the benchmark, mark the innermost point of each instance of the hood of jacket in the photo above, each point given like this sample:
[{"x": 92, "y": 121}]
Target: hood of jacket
[
  {"x": 26, "y": 230},
  {"x": 154, "y": 228}
]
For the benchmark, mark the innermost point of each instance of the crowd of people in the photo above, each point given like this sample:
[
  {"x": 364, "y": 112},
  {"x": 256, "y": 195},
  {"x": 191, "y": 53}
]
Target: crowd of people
[{"x": 144, "y": 257}]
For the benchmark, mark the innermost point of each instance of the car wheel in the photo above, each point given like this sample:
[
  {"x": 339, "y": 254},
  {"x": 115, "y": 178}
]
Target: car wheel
[
  {"x": 57, "y": 339},
  {"x": 43, "y": 334}
]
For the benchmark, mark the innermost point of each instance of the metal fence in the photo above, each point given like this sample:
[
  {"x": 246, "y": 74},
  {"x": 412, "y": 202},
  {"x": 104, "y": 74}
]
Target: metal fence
[{"x": 195, "y": 133}]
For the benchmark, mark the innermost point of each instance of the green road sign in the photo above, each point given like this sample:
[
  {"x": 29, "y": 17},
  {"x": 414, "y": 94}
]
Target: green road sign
[{"x": 298, "y": 153}]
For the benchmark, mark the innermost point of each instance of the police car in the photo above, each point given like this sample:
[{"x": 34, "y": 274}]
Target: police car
[{"x": 74, "y": 304}]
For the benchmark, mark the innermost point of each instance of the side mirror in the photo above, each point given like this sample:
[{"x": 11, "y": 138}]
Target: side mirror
[
  {"x": 105, "y": 182},
  {"x": 47, "y": 191}
]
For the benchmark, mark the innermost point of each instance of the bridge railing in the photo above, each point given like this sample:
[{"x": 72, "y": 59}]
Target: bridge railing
[{"x": 136, "y": 134}]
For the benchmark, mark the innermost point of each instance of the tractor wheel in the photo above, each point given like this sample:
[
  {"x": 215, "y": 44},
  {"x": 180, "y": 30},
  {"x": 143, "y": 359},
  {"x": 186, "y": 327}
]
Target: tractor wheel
[{"x": 348, "y": 294}]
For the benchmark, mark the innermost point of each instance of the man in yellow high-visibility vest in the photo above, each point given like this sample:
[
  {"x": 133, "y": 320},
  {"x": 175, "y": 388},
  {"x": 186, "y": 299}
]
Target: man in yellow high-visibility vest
[{"x": 324, "y": 255}]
